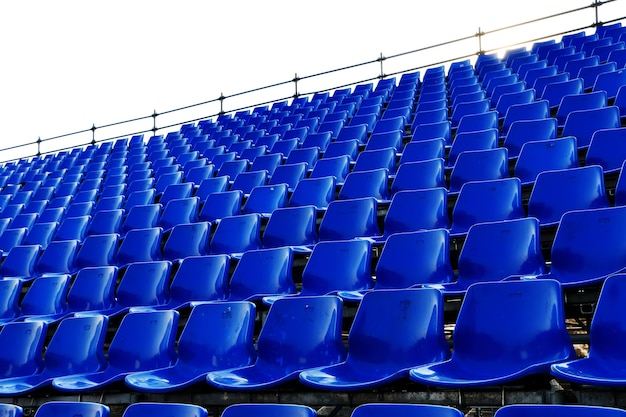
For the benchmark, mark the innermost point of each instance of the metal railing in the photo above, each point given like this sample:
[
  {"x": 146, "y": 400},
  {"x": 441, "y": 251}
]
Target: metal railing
[{"x": 385, "y": 66}]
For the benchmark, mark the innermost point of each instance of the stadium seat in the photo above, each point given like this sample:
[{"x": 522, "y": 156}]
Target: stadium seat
[
  {"x": 583, "y": 123},
  {"x": 176, "y": 191},
  {"x": 21, "y": 348},
  {"x": 12, "y": 410},
  {"x": 472, "y": 141},
  {"x": 507, "y": 319},
  {"x": 263, "y": 272},
  {"x": 433, "y": 130},
  {"x": 179, "y": 211},
  {"x": 590, "y": 74},
  {"x": 410, "y": 259},
  {"x": 141, "y": 216},
  {"x": 221, "y": 204},
  {"x": 588, "y": 247},
  {"x": 143, "y": 341},
  {"x": 289, "y": 174},
  {"x": 246, "y": 181},
  {"x": 586, "y": 101},
  {"x": 299, "y": 333},
  {"x": 409, "y": 410},
  {"x": 610, "y": 82},
  {"x": 603, "y": 365},
  {"x": 481, "y": 165},
  {"x": 523, "y": 131},
  {"x": 407, "y": 324},
  {"x": 164, "y": 410},
  {"x": 140, "y": 245},
  {"x": 10, "y": 294},
  {"x": 480, "y": 121},
  {"x": 337, "y": 167},
  {"x": 486, "y": 201},
  {"x": 557, "y": 410},
  {"x": 11, "y": 238},
  {"x": 555, "y": 91},
  {"x": 349, "y": 148},
  {"x": 607, "y": 149},
  {"x": 236, "y": 234},
  {"x": 93, "y": 288},
  {"x": 187, "y": 239},
  {"x": 105, "y": 222},
  {"x": 73, "y": 228},
  {"x": 85, "y": 409},
  {"x": 559, "y": 191},
  {"x": 291, "y": 226},
  {"x": 543, "y": 155},
  {"x": 367, "y": 183},
  {"x": 46, "y": 298},
  {"x": 265, "y": 199},
  {"x": 422, "y": 151},
  {"x": 97, "y": 250},
  {"x": 318, "y": 192},
  {"x": 58, "y": 258},
  {"x": 308, "y": 155},
  {"x": 496, "y": 251},
  {"x": 76, "y": 346},
  {"x": 349, "y": 219},
  {"x": 268, "y": 410}
]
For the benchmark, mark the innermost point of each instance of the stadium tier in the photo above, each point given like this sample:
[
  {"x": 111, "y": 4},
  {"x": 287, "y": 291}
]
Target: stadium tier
[{"x": 433, "y": 243}]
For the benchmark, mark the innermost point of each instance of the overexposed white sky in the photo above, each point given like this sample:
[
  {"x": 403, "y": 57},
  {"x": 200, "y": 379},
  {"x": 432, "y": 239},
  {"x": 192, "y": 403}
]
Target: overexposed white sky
[{"x": 68, "y": 64}]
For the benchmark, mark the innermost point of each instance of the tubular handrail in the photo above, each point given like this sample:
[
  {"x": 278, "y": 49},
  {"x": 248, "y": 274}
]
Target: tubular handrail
[{"x": 183, "y": 119}]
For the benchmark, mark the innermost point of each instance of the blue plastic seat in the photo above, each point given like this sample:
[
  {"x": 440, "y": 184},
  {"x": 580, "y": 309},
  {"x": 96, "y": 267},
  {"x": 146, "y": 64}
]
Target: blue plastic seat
[
  {"x": 523, "y": 131},
  {"x": 176, "y": 191},
  {"x": 93, "y": 288},
  {"x": 588, "y": 246},
  {"x": 374, "y": 159},
  {"x": 46, "y": 298},
  {"x": 434, "y": 130},
  {"x": 337, "y": 167},
  {"x": 543, "y": 155},
  {"x": 10, "y": 294},
  {"x": 97, "y": 250},
  {"x": 291, "y": 226},
  {"x": 321, "y": 140},
  {"x": 471, "y": 107},
  {"x": 58, "y": 258},
  {"x": 412, "y": 210},
  {"x": 76, "y": 346},
  {"x": 187, "y": 239},
  {"x": 349, "y": 148},
  {"x": 164, "y": 410},
  {"x": 139, "y": 198},
  {"x": 11, "y": 238},
  {"x": 407, "y": 324},
  {"x": 141, "y": 216},
  {"x": 422, "y": 151},
  {"x": 358, "y": 132},
  {"x": 410, "y": 259},
  {"x": 73, "y": 228},
  {"x": 486, "y": 201},
  {"x": 113, "y": 202},
  {"x": 289, "y": 174},
  {"x": 85, "y": 409},
  {"x": 607, "y": 149},
  {"x": 590, "y": 75},
  {"x": 308, "y": 155},
  {"x": 179, "y": 211},
  {"x": 520, "y": 322},
  {"x": 143, "y": 341},
  {"x": 604, "y": 364},
  {"x": 495, "y": 251},
  {"x": 21, "y": 348},
  {"x": 221, "y": 204},
  {"x": 555, "y": 91},
  {"x": 480, "y": 121},
  {"x": 140, "y": 245},
  {"x": 557, "y": 192},
  {"x": 261, "y": 273},
  {"x": 409, "y": 410},
  {"x": 12, "y": 410},
  {"x": 348, "y": 219},
  {"x": 105, "y": 222},
  {"x": 384, "y": 140},
  {"x": 210, "y": 186},
  {"x": 268, "y": 410},
  {"x": 481, "y": 165},
  {"x": 265, "y": 199},
  {"x": 583, "y": 123},
  {"x": 472, "y": 141},
  {"x": 557, "y": 410},
  {"x": 586, "y": 101},
  {"x": 299, "y": 333},
  {"x": 236, "y": 234},
  {"x": 367, "y": 183},
  {"x": 610, "y": 82},
  {"x": 246, "y": 181}
]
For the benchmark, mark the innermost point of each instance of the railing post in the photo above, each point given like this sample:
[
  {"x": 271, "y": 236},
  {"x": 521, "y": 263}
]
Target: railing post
[
  {"x": 39, "y": 146},
  {"x": 93, "y": 133},
  {"x": 221, "y": 98},
  {"x": 381, "y": 58},
  {"x": 596, "y": 4},
  {"x": 480, "y": 41},
  {"x": 154, "y": 116},
  {"x": 295, "y": 81}
]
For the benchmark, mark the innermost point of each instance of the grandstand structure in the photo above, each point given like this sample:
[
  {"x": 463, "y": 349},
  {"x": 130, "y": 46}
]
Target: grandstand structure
[{"x": 446, "y": 239}]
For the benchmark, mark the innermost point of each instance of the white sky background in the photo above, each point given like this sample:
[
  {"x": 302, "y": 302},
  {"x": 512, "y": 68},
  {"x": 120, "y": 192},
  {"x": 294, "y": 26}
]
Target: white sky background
[{"x": 67, "y": 64}]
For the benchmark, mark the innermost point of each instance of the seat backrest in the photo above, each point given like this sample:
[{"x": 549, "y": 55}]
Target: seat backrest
[
  {"x": 588, "y": 245},
  {"x": 11, "y": 238},
  {"x": 187, "y": 239},
  {"x": 480, "y": 165},
  {"x": 337, "y": 167},
  {"x": 144, "y": 284},
  {"x": 543, "y": 155},
  {"x": 265, "y": 199},
  {"x": 21, "y": 348},
  {"x": 555, "y": 91},
  {"x": 236, "y": 234},
  {"x": 84, "y": 409},
  {"x": 318, "y": 191},
  {"x": 584, "y": 123},
  {"x": 47, "y": 295},
  {"x": 523, "y": 131},
  {"x": 610, "y": 82},
  {"x": 106, "y": 221},
  {"x": 422, "y": 151},
  {"x": 374, "y": 159},
  {"x": 487, "y": 201},
  {"x": 200, "y": 278},
  {"x": 370, "y": 183},
  {"x": 262, "y": 272},
  {"x": 289, "y": 174},
  {"x": 221, "y": 204},
  {"x": 268, "y": 410},
  {"x": 179, "y": 211},
  {"x": 412, "y": 210},
  {"x": 509, "y": 319},
  {"x": 291, "y": 226},
  {"x": 472, "y": 141},
  {"x": 607, "y": 149},
  {"x": 97, "y": 250},
  {"x": 246, "y": 181},
  {"x": 347, "y": 219},
  {"x": 164, "y": 410},
  {"x": 301, "y": 333},
  {"x": 141, "y": 216},
  {"x": 140, "y": 245},
  {"x": 93, "y": 288},
  {"x": 586, "y": 101},
  {"x": 417, "y": 257},
  {"x": 408, "y": 410},
  {"x": 72, "y": 228},
  {"x": 496, "y": 250},
  {"x": 58, "y": 257},
  {"x": 556, "y": 192},
  {"x": 557, "y": 410},
  {"x": 351, "y": 271}
]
